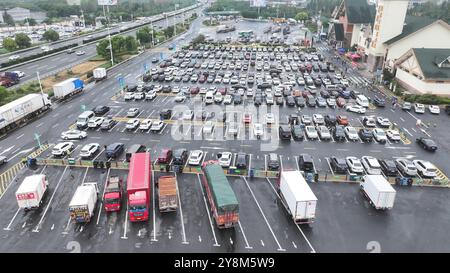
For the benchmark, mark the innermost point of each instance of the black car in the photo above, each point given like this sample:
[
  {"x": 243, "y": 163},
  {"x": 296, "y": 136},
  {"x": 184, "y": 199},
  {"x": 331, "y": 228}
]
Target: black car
[
  {"x": 180, "y": 156},
  {"x": 325, "y": 94},
  {"x": 100, "y": 110},
  {"x": 365, "y": 135},
  {"x": 114, "y": 150},
  {"x": 286, "y": 92},
  {"x": 300, "y": 101},
  {"x": 338, "y": 133},
  {"x": 237, "y": 99},
  {"x": 354, "y": 94},
  {"x": 306, "y": 163},
  {"x": 388, "y": 167},
  {"x": 273, "y": 163},
  {"x": 131, "y": 88},
  {"x": 290, "y": 101},
  {"x": 298, "y": 132},
  {"x": 293, "y": 119},
  {"x": 330, "y": 120},
  {"x": 241, "y": 161},
  {"x": 338, "y": 165},
  {"x": 257, "y": 100},
  {"x": 165, "y": 113},
  {"x": 380, "y": 102},
  {"x": 447, "y": 109},
  {"x": 427, "y": 144},
  {"x": 285, "y": 132},
  {"x": 279, "y": 101}
]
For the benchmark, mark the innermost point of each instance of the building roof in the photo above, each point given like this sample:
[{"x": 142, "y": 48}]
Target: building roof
[
  {"x": 434, "y": 62},
  {"x": 339, "y": 32},
  {"x": 359, "y": 12},
  {"x": 412, "y": 24}
]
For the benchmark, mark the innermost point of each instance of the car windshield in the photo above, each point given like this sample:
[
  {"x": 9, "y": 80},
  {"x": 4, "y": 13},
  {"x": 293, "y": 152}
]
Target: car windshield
[{"x": 357, "y": 164}]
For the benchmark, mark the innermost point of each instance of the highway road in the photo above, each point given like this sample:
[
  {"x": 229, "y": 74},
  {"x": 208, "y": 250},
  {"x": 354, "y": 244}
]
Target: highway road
[{"x": 79, "y": 40}]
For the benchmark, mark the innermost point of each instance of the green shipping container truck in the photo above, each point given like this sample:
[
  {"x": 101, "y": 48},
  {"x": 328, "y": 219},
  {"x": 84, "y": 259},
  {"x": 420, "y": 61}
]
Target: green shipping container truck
[{"x": 222, "y": 200}]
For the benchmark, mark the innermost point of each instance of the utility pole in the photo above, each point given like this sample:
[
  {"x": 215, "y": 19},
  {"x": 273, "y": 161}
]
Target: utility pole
[
  {"x": 40, "y": 84},
  {"x": 175, "y": 21},
  {"x": 153, "y": 38},
  {"x": 109, "y": 35},
  {"x": 84, "y": 22}
]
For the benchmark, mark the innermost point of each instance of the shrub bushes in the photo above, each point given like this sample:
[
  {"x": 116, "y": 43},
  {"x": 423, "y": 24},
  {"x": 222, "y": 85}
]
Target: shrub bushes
[{"x": 426, "y": 99}]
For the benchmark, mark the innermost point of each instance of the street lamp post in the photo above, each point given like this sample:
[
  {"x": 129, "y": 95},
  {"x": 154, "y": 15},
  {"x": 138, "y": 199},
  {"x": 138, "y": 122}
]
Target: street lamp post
[{"x": 109, "y": 35}]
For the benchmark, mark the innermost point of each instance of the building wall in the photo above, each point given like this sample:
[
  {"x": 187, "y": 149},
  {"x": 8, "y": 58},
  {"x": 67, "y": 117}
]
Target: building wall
[
  {"x": 415, "y": 85},
  {"x": 435, "y": 36},
  {"x": 19, "y": 14},
  {"x": 355, "y": 34}
]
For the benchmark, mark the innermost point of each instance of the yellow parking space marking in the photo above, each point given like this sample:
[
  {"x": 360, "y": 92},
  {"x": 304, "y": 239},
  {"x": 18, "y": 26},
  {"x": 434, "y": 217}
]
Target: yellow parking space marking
[
  {"x": 178, "y": 122},
  {"x": 73, "y": 126},
  {"x": 372, "y": 107},
  {"x": 440, "y": 175}
]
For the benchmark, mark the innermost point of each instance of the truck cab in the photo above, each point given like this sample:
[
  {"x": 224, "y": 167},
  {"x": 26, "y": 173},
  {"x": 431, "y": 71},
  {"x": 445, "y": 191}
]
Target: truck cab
[{"x": 112, "y": 198}]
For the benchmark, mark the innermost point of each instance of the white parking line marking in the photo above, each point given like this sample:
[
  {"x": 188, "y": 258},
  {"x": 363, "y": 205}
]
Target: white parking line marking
[
  {"x": 245, "y": 237},
  {"x": 101, "y": 198},
  {"x": 50, "y": 201},
  {"x": 12, "y": 220},
  {"x": 125, "y": 225},
  {"x": 280, "y": 248},
  {"x": 154, "y": 209},
  {"x": 207, "y": 210},
  {"x": 39, "y": 125},
  {"x": 55, "y": 125},
  {"x": 301, "y": 231},
  {"x": 181, "y": 211}
]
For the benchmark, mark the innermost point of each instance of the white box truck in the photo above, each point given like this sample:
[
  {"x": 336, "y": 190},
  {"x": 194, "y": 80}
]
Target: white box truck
[
  {"x": 68, "y": 88},
  {"x": 83, "y": 203},
  {"x": 21, "y": 110},
  {"x": 99, "y": 74},
  {"x": 378, "y": 191},
  {"x": 297, "y": 197},
  {"x": 30, "y": 193}
]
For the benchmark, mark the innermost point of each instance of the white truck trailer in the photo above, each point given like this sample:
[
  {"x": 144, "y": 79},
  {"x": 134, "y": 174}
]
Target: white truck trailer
[
  {"x": 83, "y": 203},
  {"x": 30, "y": 193},
  {"x": 378, "y": 191},
  {"x": 68, "y": 88},
  {"x": 21, "y": 110},
  {"x": 297, "y": 197},
  {"x": 99, "y": 74}
]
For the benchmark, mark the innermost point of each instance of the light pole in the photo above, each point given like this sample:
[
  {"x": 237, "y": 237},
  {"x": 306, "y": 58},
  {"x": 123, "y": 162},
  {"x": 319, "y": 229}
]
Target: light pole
[
  {"x": 153, "y": 38},
  {"x": 109, "y": 35},
  {"x": 175, "y": 21}
]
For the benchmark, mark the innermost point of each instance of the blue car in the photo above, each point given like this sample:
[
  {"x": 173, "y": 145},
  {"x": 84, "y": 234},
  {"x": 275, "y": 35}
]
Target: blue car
[
  {"x": 380, "y": 102},
  {"x": 344, "y": 93}
]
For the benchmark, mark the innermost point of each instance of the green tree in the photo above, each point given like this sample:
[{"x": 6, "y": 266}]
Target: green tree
[
  {"x": 118, "y": 44},
  {"x": 4, "y": 94},
  {"x": 302, "y": 16},
  {"x": 130, "y": 43},
  {"x": 22, "y": 40},
  {"x": 103, "y": 49},
  {"x": 30, "y": 21},
  {"x": 168, "y": 32},
  {"x": 144, "y": 35},
  {"x": 51, "y": 35},
  {"x": 198, "y": 40},
  {"x": 9, "y": 44},
  {"x": 8, "y": 19},
  {"x": 88, "y": 6},
  {"x": 48, "y": 21}
]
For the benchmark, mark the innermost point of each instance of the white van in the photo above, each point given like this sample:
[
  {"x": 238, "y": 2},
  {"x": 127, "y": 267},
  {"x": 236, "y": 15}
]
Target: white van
[
  {"x": 362, "y": 100},
  {"x": 83, "y": 119},
  {"x": 209, "y": 97}
]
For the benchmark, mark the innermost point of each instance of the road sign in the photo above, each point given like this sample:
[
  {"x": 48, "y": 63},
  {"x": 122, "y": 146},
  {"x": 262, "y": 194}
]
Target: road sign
[
  {"x": 145, "y": 67},
  {"x": 161, "y": 55},
  {"x": 83, "y": 107},
  {"x": 121, "y": 82},
  {"x": 37, "y": 137}
]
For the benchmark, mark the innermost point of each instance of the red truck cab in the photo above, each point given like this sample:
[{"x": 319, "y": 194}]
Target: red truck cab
[
  {"x": 138, "y": 187},
  {"x": 112, "y": 199}
]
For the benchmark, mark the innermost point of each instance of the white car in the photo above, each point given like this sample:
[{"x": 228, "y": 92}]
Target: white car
[
  {"x": 383, "y": 122},
  {"x": 311, "y": 132},
  {"x": 132, "y": 112},
  {"x": 89, "y": 150},
  {"x": 345, "y": 82},
  {"x": 379, "y": 135},
  {"x": 208, "y": 128},
  {"x": 150, "y": 95},
  {"x": 95, "y": 122},
  {"x": 258, "y": 130},
  {"x": 425, "y": 168},
  {"x": 225, "y": 159},
  {"x": 129, "y": 96},
  {"x": 187, "y": 115},
  {"x": 139, "y": 95},
  {"x": 13, "y": 57},
  {"x": 227, "y": 99},
  {"x": 19, "y": 73},
  {"x": 351, "y": 133},
  {"x": 324, "y": 133},
  {"x": 132, "y": 124},
  {"x": 270, "y": 118},
  {"x": 157, "y": 126},
  {"x": 371, "y": 165},
  {"x": 145, "y": 124},
  {"x": 406, "y": 167},
  {"x": 306, "y": 119},
  {"x": 218, "y": 98},
  {"x": 354, "y": 164},
  {"x": 73, "y": 134},
  {"x": 419, "y": 108},
  {"x": 369, "y": 122},
  {"x": 269, "y": 99},
  {"x": 81, "y": 52},
  {"x": 355, "y": 108},
  {"x": 393, "y": 135},
  {"x": 63, "y": 148},
  {"x": 180, "y": 97},
  {"x": 318, "y": 119},
  {"x": 331, "y": 102},
  {"x": 195, "y": 157},
  {"x": 434, "y": 109}
]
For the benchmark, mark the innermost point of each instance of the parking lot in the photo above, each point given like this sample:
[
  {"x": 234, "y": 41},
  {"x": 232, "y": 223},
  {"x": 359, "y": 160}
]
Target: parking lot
[{"x": 345, "y": 222}]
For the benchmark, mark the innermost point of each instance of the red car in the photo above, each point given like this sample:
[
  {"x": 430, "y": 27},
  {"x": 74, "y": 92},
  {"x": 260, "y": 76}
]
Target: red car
[
  {"x": 247, "y": 118},
  {"x": 340, "y": 102},
  {"x": 222, "y": 90},
  {"x": 342, "y": 120},
  {"x": 194, "y": 90},
  {"x": 165, "y": 157},
  {"x": 202, "y": 79},
  {"x": 306, "y": 94}
]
